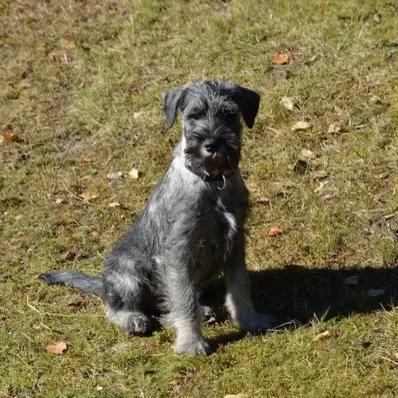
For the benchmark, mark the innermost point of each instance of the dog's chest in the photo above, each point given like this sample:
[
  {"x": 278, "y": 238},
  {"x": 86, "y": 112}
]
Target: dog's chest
[{"x": 217, "y": 227}]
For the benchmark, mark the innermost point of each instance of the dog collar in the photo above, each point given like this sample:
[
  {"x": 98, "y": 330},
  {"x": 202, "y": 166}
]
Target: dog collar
[{"x": 220, "y": 179}]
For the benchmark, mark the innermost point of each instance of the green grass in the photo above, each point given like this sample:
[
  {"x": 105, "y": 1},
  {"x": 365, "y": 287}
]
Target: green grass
[{"x": 81, "y": 87}]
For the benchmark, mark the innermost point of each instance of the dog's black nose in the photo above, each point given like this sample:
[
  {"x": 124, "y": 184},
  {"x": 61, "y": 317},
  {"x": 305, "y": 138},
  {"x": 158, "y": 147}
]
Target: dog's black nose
[{"x": 212, "y": 145}]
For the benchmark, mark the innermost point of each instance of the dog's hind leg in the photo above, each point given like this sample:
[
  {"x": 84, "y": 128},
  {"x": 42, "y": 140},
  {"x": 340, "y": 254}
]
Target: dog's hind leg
[{"x": 128, "y": 295}]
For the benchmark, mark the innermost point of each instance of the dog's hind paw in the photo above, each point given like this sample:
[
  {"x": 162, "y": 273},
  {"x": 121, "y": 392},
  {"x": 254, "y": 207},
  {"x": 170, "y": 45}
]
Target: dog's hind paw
[
  {"x": 200, "y": 347},
  {"x": 257, "y": 322}
]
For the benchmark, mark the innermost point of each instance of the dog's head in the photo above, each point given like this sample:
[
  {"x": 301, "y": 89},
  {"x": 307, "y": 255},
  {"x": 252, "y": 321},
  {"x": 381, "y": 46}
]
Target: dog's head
[{"x": 211, "y": 123}]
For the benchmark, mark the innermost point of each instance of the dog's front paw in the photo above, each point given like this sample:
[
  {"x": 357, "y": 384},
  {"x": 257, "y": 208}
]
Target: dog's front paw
[
  {"x": 200, "y": 347},
  {"x": 208, "y": 314},
  {"x": 257, "y": 322},
  {"x": 139, "y": 324}
]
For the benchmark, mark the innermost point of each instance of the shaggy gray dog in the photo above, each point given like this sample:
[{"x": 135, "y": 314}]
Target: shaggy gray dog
[{"x": 191, "y": 229}]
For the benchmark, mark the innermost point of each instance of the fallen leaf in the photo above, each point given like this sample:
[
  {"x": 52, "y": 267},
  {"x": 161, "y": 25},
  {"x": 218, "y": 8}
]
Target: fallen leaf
[
  {"x": 137, "y": 115},
  {"x": 348, "y": 253},
  {"x": 88, "y": 195},
  {"x": 374, "y": 99},
  {"x": 262, "y": 201},
  {"x": 115, "y": 175},
  {"x": 340, "y": 112},
  {"x": 307, "y": 154},
  {"x": 57, "y": 348},
  {"x": 322, "y": 5},
  {"x": 70, "y": 255},
  {"x": 134, "y": 173},
  {"x": 320, "y": 175},
  {"x": 275, "y": 231},
  {"x": 95, "y": 236},
  {"x": 334, "y": 128},
  {"x": 377, "y": 18},
  {"x": 78, "y": 303},
  {"x": 322, "y": 336},
  {"x": 321, "y": 186},
  {"x": 114, "y": 204},
  {"x": 327, "y": 197},
  {"x": 288, "y": 103},
  {"x": 7, "y": 136},
  {"x": 301, "y": 166},
  {"x": 375, "y": 292},
  {"x": 280, "y": 59},
  {"x": 58, "y": 201},
  {"x": 351, "y": 280},
  {"x": 300, "y": 126},
  {"x": 67, "y": 44},
  {"x": 241, "y": 395}
]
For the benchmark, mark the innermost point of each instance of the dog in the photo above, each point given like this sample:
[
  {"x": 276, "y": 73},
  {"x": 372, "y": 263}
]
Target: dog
[{"x": 192, "y": 228}]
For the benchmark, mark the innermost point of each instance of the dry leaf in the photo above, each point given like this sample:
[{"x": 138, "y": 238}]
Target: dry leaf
[
  {"x": 70, "y": 255},
  {"x": 114, "y": 204},
  {"x": 322, "y": 5},
  {"x": 88, "y": 195},
  {"x": 236, "y": 396},
  {"x": 262, "y": 201},
  {"x": 340, "y": 112},
  {"x": 307, "y": 154},
  {"x": 334, "y": 128},
  {"x": 321, "y": 175},
  {"x": 134, "y": 173},
  {"x": 275, "y": 231},
  {"x": 280, "y": 59},
  {"x": 288, "y": 103},
  {"x": 7, "y": 136},
  {"x": 58, "y": 201},
  {"x": 321, "y": 186},
  {"x": 300, "y": 126},
  {"x": 301, "y": 166},
  {"x": 67, "y": 44},
  {"x": 374, "y": 99},
  {"x": 115, "y": 176},
  {"x": 137, "y": 115},
  {"x": 322, "y": 336},
  {"x": 375, "y": 292},
  {"x": 95, "y": 235},
  {"x": 58, "y": 348},
  {"x": 327, "y": 197},
  {"x": 351, "y": 280}
]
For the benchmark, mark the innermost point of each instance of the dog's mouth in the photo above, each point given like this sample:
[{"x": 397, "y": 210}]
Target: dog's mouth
[{"x": 212, "y": 165}]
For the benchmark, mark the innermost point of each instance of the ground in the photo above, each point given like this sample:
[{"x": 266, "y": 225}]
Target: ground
[{"x": 81, "y": 97}]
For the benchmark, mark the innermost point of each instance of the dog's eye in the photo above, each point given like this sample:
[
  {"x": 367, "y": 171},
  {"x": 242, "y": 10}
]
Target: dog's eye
[
  {"x": 194, "y": 116},
  {"x": 229, "y": 116},
  {"x": 197, "y": 137}
]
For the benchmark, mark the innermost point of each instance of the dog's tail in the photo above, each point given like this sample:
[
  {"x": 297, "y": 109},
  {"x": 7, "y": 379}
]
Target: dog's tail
[{"x": 89, "y": 284}]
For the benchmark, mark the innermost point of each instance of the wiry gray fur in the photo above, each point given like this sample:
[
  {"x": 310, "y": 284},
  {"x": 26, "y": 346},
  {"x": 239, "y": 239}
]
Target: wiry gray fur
[{"x": 191, "y": 229}]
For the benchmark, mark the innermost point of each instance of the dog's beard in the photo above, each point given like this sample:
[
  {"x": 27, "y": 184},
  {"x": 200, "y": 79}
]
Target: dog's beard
[{"x": 215, "y": 164}]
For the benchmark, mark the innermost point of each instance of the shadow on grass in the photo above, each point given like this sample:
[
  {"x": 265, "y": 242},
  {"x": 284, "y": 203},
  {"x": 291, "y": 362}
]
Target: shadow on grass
[
  {"x": 298, "y": 293},
  {"x": 301, "y": 294}
]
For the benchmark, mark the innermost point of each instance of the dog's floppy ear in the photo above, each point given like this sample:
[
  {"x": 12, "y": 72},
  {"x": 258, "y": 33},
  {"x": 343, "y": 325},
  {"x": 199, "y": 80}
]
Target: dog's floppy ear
[
  {"x": 249, "y": 102},
  {"x": 171, "y": 102}
]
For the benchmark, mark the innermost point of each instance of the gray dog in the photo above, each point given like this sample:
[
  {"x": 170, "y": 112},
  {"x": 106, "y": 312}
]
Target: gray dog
[{"x": 191, "y": 229}]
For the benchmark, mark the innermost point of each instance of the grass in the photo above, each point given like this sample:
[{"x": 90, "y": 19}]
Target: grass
[{"x": 81, "y": 87}]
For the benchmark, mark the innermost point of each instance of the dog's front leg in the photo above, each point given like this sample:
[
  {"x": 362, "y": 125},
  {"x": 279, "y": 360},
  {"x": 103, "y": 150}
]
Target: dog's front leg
[
  {"x": 184, "y": 310},
  {"x": 239, "y": 299}
]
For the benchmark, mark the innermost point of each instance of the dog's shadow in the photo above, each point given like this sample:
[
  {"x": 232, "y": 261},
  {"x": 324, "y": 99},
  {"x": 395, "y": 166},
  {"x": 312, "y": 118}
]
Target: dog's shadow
[{"x": 296, "y": 295}]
